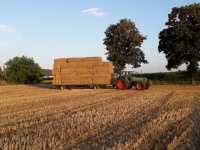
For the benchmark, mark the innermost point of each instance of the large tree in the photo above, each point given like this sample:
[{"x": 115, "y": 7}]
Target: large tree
[
  {"x": 180, "y": 40},
  {"x": 123, "y": 44},
  {"x": 23, "y": 70}
]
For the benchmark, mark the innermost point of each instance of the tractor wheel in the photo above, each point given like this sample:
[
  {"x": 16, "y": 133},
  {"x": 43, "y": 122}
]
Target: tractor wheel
[
  {"x": 121, "y": 84},
  {"x": 139, "y": 86}
]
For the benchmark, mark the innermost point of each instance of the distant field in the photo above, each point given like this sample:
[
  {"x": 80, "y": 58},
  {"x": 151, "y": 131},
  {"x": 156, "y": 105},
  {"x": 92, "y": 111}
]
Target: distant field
[{"x": 163, "y": 117}]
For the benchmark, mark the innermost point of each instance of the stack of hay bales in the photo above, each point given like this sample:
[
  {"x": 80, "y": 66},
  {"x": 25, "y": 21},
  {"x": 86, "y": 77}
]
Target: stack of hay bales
[{"x": 82, "y": 71}]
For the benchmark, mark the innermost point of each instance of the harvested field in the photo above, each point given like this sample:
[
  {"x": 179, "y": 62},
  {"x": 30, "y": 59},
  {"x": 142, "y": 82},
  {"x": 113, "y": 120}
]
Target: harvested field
[{"x": 163, "y": 117}]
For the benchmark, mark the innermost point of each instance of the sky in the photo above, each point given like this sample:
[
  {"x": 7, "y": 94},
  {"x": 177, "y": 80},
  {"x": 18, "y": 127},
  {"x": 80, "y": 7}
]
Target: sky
[{"x": 49, "y": 29}]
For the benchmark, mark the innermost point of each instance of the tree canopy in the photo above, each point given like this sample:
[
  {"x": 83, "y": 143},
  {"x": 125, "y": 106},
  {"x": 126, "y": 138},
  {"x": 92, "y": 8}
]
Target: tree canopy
[
  {"x": 123, "y": 44},
  {"x": 180, "y": 41},
  {"x": 23, "y": 70}
]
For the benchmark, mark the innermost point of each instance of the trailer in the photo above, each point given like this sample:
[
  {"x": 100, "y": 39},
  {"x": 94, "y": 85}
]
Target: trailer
[{"x": 85, "y": 71}]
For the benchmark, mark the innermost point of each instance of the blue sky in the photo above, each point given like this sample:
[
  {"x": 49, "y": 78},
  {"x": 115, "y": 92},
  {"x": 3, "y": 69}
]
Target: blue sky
[{"x": 48, "y": 29}]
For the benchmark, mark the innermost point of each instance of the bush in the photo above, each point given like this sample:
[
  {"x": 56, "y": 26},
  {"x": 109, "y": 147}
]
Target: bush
[
  {"x": 180, "y": 77},
  {"x": 23, "y": 70}
]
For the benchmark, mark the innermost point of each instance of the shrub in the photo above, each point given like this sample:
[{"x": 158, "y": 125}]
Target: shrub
[
  {"x": 23, "y": 70},
  {"x": 180, "y": 77}
]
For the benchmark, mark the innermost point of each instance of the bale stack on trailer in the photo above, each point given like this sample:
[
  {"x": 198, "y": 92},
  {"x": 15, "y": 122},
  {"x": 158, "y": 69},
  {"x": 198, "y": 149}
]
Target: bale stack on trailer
[{"x": 82, "y": 71}]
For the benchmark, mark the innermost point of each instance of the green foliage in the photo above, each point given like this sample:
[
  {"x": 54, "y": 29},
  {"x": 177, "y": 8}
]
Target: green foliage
[
  {"x": 180, "y": 41},
  {"x": 23, "y": 70},
  {"x": 123, "y": 42},
  {"x": 180, "y": 77},
  {"x": 1, "y": 74}
]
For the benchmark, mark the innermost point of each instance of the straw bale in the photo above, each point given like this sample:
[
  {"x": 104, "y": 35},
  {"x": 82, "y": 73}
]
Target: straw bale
[
  {"x": 82, "y": 71},
  {"x": 85, "y": 59}
]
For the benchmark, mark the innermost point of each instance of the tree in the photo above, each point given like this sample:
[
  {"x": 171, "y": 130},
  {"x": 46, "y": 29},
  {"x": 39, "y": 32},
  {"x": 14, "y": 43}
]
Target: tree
[
  {"x": 180, "y": 41},
  {"x": 1, "y": 74},
  {"x": 123, "y": 44},
  {"x": 23, "y": 70}
]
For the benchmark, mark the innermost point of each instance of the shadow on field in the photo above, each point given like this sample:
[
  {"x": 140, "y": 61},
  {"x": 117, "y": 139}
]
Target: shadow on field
[
  {"x": 42, "y": 85},
  {"x": 69, "y": 87}
]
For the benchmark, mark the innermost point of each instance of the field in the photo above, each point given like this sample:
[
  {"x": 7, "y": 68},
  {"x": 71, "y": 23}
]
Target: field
[{"x": 163, "y": 117}]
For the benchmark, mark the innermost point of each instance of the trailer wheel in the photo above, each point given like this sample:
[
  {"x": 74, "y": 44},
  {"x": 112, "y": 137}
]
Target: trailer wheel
[
  {"x": 93, "y": 86},
  {"x": 62, "y": 87}
]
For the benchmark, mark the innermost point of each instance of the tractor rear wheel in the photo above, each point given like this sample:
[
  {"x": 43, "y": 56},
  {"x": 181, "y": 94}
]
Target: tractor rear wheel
[{"x": 139, "y": 86}]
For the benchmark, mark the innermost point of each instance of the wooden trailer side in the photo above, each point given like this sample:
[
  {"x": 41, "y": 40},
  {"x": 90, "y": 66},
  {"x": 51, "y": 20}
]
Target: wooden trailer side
[{"x": 82, "y": 71}]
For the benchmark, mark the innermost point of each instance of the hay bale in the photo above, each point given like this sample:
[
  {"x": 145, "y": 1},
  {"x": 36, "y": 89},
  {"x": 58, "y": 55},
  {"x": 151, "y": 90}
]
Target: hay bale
[{"x": 82, "y": 71}]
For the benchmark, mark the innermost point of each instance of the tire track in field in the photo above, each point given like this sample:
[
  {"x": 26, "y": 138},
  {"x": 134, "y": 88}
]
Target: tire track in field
[
  {"x": 29, "y": 134},
  {"x": 122, "y": 131},
  {"x": 40, "y": 100},
  {"x": 65, "y": 113},
  {"x": 31, "y": 101},
  {"x": 32, "y": 134},
  {"x": 82, "y": 100},
  {"x": 183, "y": 132}
]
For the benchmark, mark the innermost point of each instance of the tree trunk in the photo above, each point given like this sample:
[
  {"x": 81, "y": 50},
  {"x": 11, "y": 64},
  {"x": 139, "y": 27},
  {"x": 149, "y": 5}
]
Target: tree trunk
[
  {"x": 193, "y": 77},
  {"x": 192, "y": 68}
]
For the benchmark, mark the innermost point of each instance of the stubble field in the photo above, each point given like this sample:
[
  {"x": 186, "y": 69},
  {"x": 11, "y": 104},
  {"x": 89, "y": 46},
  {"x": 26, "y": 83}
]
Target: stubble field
[{"x": 163, "y": 117}]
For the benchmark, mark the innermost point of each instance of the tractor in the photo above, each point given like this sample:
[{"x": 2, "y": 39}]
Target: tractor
[{"x": 128, "y": 81}]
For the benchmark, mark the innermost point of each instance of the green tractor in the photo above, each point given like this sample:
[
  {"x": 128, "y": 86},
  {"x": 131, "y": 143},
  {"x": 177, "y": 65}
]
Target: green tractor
[
  {"x": 138, "y": 83},
  {"x": 131, "y": 81}
]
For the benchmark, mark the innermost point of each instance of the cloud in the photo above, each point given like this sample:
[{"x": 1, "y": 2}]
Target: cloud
[
  {"x": 6, "y": 28},
  {"x": 101, "y": 48},
  {"x": 95, "y": 12}
]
